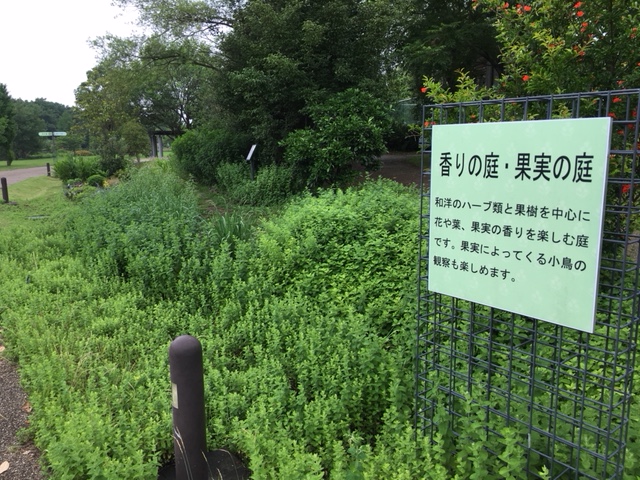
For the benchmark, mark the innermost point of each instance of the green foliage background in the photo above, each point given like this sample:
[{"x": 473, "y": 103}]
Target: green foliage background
[{"x": 306, "y": 325}]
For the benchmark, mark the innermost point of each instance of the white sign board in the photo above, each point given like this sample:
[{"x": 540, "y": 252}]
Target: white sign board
[{"x": 516, "y": 216}]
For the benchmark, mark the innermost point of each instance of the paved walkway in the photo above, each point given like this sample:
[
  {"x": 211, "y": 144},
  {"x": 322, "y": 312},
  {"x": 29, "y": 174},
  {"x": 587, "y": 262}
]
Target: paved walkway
[{"x": 15, "y": 176}]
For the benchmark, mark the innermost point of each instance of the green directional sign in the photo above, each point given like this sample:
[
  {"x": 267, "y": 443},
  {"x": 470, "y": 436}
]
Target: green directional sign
[
  {"x": 516, "y": 216},
  {"x": 52, "y": 134}
]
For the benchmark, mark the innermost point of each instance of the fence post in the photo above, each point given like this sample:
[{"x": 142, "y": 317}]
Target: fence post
[
  {"x": 5, "y": 190},
  {"x": 187, "y": 388},
  {"x": 48, "y": 169}
]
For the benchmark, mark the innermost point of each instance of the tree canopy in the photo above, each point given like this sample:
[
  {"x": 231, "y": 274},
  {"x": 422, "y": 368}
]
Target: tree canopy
[
  {"x": 284, "y": 56},
  {"x": 29, "y": 122},
  {"x": 557, "y": 46},
  {"x": 444, "y": 37},
  {"x": 260, "y": 67},
  {"x": 7, "y": 125}
]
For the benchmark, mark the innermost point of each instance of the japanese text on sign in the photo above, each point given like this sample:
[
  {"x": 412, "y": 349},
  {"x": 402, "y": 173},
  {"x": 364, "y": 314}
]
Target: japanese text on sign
[{"x": 540, "y": 167}]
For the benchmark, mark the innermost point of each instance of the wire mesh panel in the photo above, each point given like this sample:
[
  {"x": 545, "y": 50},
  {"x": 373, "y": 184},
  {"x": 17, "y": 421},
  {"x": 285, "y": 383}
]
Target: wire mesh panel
[{"x": 561, "y": 394}]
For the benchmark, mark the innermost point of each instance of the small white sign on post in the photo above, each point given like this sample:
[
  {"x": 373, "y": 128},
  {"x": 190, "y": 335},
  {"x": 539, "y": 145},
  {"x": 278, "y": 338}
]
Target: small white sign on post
[{"x": 253, "y": 148}]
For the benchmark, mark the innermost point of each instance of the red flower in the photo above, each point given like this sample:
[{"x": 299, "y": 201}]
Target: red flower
[
  {"x": 525, "y": 78},
  {"x": 423, "y": 89},
  {"x": 577, "y": 5},
  {"x": 625, "y": 188},
  {"x": 616, "y": 99},
  {"x": 612, "y": 115},
  {"x": 579, "y": 13},
  {"x": 527, "y": 8}
]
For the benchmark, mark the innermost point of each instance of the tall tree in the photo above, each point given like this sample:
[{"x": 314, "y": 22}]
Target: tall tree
[
  {"x": 51, "y": 113},
  {"x": 283, "y": 56},
  {"x": 29, "y": 121},
  {"x": 271, "y": 59},
  {"x": 7, "y": 125},
  {"x": 103, "y": 102},
  {"x": 444, "y": 37},
  {"x": 157, "y": 80}
]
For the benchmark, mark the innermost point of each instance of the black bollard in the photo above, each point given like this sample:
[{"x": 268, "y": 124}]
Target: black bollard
[
  {"x": 5, "y": 190},
  {"x": 187, "y": 387},
  {"x": 48, "y": 169}
]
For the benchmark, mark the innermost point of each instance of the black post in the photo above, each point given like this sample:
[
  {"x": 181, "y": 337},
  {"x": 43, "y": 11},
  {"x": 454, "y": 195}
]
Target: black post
[
  {"x": 187, "y": 387},
  {"x": 5, "y": 190},
  {"x": 48, "y": 169}
]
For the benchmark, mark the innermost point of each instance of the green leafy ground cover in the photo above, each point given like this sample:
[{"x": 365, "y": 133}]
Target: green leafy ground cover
[{"x": 307, "y": 322}]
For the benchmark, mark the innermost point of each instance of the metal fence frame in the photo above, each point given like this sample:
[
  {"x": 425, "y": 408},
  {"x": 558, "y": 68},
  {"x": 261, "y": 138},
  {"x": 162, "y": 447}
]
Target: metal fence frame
[{"x": 564, "y": 394}]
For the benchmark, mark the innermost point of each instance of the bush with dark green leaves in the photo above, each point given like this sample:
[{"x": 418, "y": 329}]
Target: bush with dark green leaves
[
  {"x": 348, "y": 129},
  {"x": 199, "y": 152},
  {"x": 113, "y": 155},
  {"x": 96, "y": 180},
  {"x": 81, "y": 168}
]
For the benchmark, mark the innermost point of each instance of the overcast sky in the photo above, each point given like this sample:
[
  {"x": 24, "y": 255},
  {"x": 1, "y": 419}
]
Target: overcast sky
[{"x": 44, "y": 50}]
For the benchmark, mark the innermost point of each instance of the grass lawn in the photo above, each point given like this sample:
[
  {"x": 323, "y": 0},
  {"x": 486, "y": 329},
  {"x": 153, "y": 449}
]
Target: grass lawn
[
  {"x": 32, "y": 199},
  {"x": 27, "y": 163}
]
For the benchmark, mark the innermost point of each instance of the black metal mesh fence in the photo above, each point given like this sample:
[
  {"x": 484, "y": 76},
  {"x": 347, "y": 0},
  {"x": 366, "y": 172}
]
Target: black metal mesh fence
[{"x": 563, "y": 394}]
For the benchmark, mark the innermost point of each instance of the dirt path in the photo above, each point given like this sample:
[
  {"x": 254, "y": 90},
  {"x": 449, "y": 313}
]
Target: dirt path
[
  {"x": 18, "y": 461},
  {"x": 402, "y": 167}
]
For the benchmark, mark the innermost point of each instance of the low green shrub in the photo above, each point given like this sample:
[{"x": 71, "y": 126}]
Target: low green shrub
[
  {"x": 70, "y": 168},
  {"x": 232, "y": 176},
  {"x": 77, "y": 190},
  {"x": 141, "y": 230},
  {"x": 96, "y": 180},
  {"x": 272, "y": 184},
  {"x": 306, "y": 346}
]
